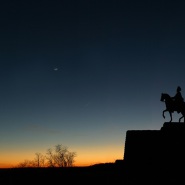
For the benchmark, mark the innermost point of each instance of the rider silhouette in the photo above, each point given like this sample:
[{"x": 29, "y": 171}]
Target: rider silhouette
[{"x": 178, "y": 100}]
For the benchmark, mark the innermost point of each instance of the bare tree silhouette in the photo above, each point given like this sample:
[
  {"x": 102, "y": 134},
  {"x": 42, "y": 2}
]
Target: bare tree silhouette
[
  {"x": 70, "y": 158},
  {"x": 50, "y": 158},
  {"x": 26, "y": 164},
  {"x": 39, "y": 160},
  {"x": 60, "y": 156}
]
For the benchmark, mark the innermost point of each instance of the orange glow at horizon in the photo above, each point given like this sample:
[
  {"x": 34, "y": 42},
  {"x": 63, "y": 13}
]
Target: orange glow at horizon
[{"x": 85, "y": 157}]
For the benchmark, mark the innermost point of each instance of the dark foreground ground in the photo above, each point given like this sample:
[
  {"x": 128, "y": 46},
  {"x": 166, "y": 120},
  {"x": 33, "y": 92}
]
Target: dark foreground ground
[
  {"x": 74, "y": 175},
  {"x": 103, "y": 174}
]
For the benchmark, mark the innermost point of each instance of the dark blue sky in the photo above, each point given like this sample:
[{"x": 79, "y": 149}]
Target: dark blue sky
[{"x": 114, "y": 59}]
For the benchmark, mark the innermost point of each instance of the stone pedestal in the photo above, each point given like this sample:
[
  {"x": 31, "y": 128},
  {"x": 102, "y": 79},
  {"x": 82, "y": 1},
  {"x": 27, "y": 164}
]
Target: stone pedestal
[{"x": 162, "y": 149}]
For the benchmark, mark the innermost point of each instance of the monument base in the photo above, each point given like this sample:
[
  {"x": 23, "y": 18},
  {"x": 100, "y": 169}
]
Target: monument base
[
  {"x": 173, "y": 126},
  {"x": 162, "y": 148}
]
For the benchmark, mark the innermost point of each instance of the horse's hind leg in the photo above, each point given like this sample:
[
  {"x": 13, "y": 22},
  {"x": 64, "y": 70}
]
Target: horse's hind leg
[
  {"x": 170, "y": 116},
  {"x": 181, "y": 118}
]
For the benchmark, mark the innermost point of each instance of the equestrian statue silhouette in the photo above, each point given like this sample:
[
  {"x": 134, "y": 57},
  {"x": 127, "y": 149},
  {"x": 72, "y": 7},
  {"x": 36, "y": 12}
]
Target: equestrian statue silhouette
[{"x": 175, "y": 103}]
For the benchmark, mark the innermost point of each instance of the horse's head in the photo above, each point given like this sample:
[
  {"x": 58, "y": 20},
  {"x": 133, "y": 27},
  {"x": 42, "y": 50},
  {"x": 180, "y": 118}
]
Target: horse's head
[{"x": 164, "y": 96}]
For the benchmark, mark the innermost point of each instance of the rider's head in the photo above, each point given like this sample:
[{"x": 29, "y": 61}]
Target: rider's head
[{"x": 178, "y": 89}]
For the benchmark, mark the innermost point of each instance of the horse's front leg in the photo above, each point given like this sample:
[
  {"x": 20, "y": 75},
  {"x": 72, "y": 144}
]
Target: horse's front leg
[
  {"x": 164, "y": 112},
  {"x": 169, "y": 113}
]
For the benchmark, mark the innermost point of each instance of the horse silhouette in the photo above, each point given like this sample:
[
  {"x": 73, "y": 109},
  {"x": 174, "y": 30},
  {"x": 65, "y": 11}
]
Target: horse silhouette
[{"x": 171, "y": 107}]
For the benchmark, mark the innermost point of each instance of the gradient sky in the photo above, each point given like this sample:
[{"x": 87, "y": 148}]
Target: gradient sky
[{"x": 82, "y": 73}]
